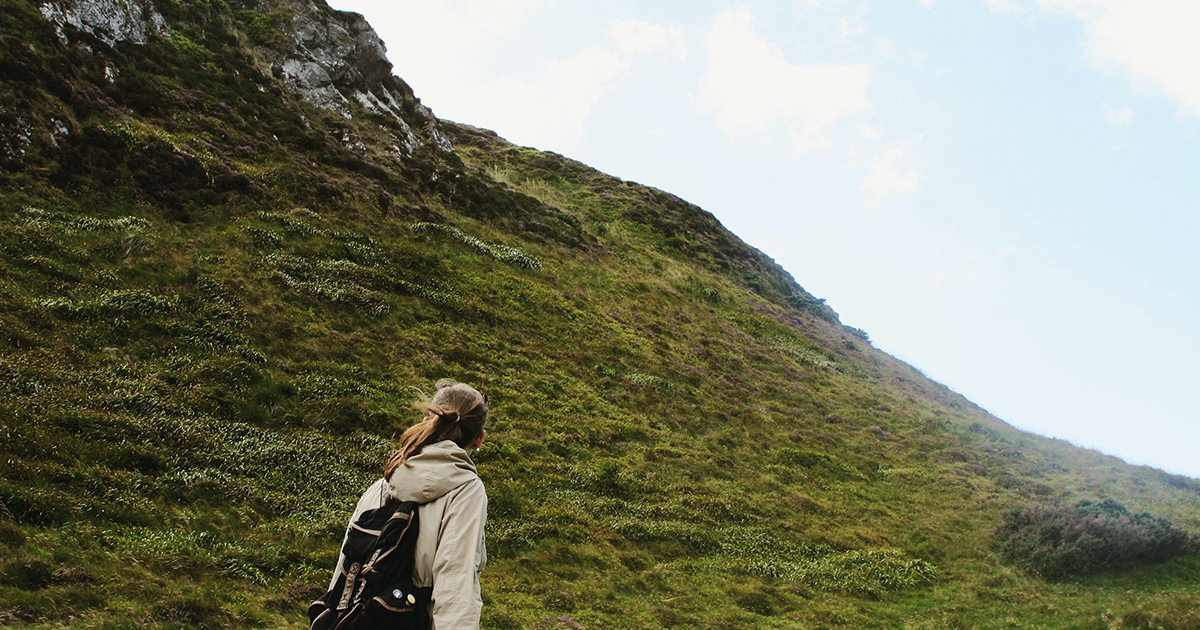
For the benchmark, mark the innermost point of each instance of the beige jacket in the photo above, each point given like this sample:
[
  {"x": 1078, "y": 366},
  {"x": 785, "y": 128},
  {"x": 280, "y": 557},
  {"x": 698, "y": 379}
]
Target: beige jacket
[{"x": 450, "y": 550}]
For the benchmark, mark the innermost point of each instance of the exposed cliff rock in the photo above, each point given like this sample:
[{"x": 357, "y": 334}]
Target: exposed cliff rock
[
  {"x": 332, "y": 60},
  {"x": 111, "y": 21},
  {"x": 336, "y": 58}
]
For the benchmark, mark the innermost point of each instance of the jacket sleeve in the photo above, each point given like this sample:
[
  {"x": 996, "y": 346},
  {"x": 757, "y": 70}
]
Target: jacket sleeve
[
  {"x": 371, "y": 499},
  {"x": 459, "y": 559}
]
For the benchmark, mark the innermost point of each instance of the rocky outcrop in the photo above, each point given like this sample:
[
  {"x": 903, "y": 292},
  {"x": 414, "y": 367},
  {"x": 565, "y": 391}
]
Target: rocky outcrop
[
  {"x": 110, "y": 21},
  {"x": 331, "y": 59},
  {"x": 338, "y": 59}
]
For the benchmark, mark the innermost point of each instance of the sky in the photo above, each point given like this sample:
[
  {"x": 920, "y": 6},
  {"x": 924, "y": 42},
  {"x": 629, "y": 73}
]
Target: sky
[{"x": 1003, "y": 193}]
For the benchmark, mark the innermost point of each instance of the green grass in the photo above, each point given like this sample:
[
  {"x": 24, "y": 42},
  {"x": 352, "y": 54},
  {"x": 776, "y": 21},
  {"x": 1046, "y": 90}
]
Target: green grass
[{"x": 214, "y": 320}]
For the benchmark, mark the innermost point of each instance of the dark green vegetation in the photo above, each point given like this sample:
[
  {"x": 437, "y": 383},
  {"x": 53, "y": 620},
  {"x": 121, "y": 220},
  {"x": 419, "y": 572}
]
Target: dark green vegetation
[
  {"x": 1056, "y": 540},
  {"x": 216, "y": 300}
]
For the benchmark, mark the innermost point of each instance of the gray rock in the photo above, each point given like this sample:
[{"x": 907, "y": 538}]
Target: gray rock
[
  {"x": 15, "y": 137},
  {"x": 333, "y": 60},
  {"x": 312, "y": 82},
  {"x": 337, "y": 59},
  {"x": 110, "y": 21}
]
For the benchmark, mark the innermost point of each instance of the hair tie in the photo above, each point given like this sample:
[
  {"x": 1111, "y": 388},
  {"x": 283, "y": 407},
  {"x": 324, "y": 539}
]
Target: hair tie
[{"x": 456, "y": 417}]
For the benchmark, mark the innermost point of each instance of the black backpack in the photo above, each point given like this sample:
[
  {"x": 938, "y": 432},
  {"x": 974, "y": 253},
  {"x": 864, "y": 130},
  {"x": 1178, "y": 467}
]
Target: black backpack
[{"x": 374, "y": 588}]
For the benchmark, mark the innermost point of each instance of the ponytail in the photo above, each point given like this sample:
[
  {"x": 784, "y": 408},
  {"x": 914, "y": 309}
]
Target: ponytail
[{"x": 457, "y": 412}]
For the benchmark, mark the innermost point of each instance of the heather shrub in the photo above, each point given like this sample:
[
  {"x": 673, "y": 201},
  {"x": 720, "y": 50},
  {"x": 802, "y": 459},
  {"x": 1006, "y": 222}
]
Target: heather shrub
[{"x": 1057, "y": 540}]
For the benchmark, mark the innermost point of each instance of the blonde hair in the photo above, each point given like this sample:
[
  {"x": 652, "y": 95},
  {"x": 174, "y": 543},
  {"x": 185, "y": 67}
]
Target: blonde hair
[{"x": 456, "y": 412}]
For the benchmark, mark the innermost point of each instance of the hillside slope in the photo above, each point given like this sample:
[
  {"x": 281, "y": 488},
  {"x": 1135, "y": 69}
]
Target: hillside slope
[{"x": 232, "y": 246}]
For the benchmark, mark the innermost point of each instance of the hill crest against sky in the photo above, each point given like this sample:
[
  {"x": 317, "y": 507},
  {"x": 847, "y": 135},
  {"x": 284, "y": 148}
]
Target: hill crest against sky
[{"x": 999, "y": 192}]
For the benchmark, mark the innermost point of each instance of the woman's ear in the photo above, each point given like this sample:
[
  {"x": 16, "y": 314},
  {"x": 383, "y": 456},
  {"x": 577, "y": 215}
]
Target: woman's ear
[{"x": 479, "y": 440}]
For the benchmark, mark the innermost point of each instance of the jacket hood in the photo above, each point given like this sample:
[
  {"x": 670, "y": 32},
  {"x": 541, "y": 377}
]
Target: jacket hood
[{"x": 430, "y": 474}]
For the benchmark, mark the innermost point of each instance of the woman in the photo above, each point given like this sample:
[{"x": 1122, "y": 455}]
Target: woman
[{"x": 433, "y": 467}]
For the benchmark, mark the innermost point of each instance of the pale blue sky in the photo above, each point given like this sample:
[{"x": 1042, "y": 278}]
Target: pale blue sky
[{"x": 1001, "y": 192}]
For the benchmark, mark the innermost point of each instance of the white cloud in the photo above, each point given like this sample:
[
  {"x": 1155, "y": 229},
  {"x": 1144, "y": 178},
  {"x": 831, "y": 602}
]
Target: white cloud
[
  {"x": 453, "y": 53},
  {"x": 868, "y": 132},
  {"x": 1153, "y": 42},
  {"x": 442, "y": 48},
  {"x": 1118, "y": 116},
  {"x": 550, "y": 111},
  {"x": 850, "y": 30},
  {"x": 751, "y": 87},
  {"x": 637, "y": 37},
  {"x": 459, "y": 30},
  {"x": 887, "y": 48},
  {"x": 889, "y": 174},
  {"x": 1006, "y": 6}
]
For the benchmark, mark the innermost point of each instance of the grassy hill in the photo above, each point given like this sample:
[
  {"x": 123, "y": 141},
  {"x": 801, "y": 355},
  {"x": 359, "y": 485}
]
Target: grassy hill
[{"x": 221, "y": 287}]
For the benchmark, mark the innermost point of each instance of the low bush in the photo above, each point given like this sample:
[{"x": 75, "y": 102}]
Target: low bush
[
  {"x": 28, "y": 573},
  {"x": 1056, "y": 540}
]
